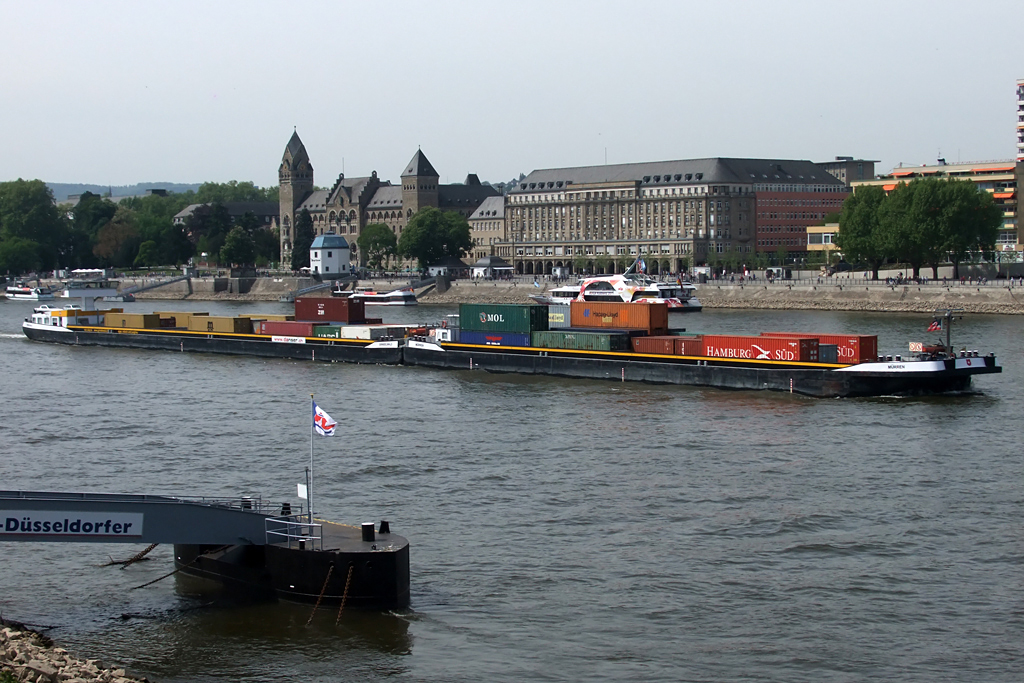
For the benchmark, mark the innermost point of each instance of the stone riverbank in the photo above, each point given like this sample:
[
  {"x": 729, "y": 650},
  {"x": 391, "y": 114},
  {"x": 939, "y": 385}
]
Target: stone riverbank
[{"x": 32, "y": 657}]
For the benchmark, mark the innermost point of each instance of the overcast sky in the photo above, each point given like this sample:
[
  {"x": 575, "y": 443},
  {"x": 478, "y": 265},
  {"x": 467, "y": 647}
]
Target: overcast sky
[{"x": 118, "y": 93}]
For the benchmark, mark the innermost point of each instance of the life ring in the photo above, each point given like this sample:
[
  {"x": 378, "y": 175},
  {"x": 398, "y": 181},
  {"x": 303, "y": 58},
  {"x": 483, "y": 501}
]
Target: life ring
[{"x": 444, "y": 324}]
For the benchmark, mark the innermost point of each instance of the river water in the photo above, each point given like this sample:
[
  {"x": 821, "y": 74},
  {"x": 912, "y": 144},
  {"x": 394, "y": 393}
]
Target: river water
[{"x": 560, "y": 529}]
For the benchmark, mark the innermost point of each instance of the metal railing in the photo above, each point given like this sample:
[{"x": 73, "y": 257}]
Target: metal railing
[{"x": 292, "y": 532}]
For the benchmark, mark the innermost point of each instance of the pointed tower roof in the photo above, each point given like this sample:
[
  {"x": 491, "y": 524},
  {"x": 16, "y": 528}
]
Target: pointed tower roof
[
  {"x": 295, "y": 144},
  {"x": 419, "y": 166}
]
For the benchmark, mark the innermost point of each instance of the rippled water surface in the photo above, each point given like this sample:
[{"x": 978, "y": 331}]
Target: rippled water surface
[{"x": 560, "y": 529}]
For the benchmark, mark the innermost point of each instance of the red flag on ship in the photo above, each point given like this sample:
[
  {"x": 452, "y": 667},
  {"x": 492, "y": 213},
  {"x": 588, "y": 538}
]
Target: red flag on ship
[{"x": 936, "y": 326}]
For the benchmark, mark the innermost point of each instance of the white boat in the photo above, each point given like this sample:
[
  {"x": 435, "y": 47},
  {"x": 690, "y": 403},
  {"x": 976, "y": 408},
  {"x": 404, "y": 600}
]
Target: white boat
[
  {"x": 627, "y": 287},
  {"x": 23, "y": 292},
  {"x": 371, "y": 297}
]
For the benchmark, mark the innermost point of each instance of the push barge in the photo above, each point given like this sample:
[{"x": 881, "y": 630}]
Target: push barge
[{"x": 593, "y": 340}]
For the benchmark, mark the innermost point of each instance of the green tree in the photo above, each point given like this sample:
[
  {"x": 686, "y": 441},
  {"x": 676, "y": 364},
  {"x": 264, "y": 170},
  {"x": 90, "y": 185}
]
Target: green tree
[
  {"x": 118, "y": 241},
  {"x": 149, "y": 255},
  {"x": 433, "y": 236},
  {"x": 212, "y": 222},
  {"x": 267, "y": 243},
  {"x": 909, "y": 227},
  {"x": 303, "y": 240},
  {"x": 377, "y": 242},
  {"x": 859, "y": 235},
  {"x": 238, "y": 248},
  {"x": 27, "y": 210},
  {"x": 235, "y": 191},
  {"x": 19, "y": 255},
  {"x": 969, "y": 220},
  {"x": 832, "y": 217}
]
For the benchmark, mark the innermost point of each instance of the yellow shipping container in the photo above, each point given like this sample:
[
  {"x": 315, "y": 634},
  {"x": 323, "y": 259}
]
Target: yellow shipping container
[
  {"x": 181, "y": 318},
  {"x": 134, "y": 321},
  {"x": 217, "y": 323}
]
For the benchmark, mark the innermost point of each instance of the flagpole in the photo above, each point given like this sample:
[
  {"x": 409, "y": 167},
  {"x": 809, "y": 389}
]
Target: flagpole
[{"x": 309, "y": 492}]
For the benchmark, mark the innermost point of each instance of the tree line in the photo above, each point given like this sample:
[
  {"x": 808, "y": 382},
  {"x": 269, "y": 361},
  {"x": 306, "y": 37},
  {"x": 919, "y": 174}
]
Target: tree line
[
  {"x": 37, "y": 234},
  {"x": 926, "y": 222}
]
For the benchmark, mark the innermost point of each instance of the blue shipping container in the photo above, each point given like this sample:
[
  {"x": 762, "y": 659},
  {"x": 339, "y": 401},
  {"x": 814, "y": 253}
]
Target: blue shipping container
[{"x": 494, "y": 338}]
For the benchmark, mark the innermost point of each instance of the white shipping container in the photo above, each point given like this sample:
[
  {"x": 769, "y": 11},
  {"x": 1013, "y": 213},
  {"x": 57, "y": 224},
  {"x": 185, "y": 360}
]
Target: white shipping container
[{"x": 364, "y": 332}]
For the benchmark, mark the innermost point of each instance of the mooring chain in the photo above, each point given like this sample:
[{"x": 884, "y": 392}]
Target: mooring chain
[
  {"x": 184, "y": 566},
  {"x": 138, "y": 556},
  {"x": 344, "y": 596},
  {"x": 322, "y": 591}
]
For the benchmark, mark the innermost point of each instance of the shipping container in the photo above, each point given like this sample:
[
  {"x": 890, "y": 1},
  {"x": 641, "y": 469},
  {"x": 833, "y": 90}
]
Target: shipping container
[
  {"x": 853, "y": 348},
  {"x": 629, "y": 316},
  {"x": 828, "y": 353},
  {"x": 691, "y": 345},
  {"x": 323, "y": 310},
  {"x": 286, "y": 328},
  {"x": 134, "y": 321},
  {"x": 364, "y": 332},
  {"x": 559, "y": 316},
  {"x": 373, "y": 321},
  {"x": 803, "y": 349},
  {"x": 181, "y": 318},
  {"x": 523, "y": 318},
  {"x": 661, "y": 344},
  {"x": 219, "y": 323},
  {"x": 581, "y": 341},
  {"x": 494, "y": 338},
  {"x": 628, "y": 333},
  {"x": 327, "y": 331}
]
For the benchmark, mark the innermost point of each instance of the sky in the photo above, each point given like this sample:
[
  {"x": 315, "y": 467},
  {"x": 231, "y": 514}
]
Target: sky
[{"x": 124, "y": 92}]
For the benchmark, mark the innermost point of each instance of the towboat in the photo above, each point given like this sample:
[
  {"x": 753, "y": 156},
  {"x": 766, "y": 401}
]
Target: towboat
[{"x": 371, "y": 297}]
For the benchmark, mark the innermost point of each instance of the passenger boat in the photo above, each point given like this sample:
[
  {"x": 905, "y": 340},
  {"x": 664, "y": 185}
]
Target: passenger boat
[
  {"x": 22, "y": 291},
  {"x": 631, "y": 286},
  {"x": 371, "y": 297}
]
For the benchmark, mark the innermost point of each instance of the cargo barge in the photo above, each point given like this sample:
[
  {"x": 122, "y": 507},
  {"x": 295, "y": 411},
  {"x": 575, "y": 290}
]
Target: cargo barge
[{"x": 592, "y": 340}]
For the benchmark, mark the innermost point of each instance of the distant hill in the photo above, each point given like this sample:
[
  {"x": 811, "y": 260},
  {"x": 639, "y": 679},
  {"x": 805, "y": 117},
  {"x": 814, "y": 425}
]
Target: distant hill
[{"x": 61, "y": 191}]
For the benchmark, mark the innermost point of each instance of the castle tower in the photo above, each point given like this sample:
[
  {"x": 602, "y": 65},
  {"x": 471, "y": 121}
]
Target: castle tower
[
  {"x": 419, "y": 185},
  {"x": 296, "y": 183}
]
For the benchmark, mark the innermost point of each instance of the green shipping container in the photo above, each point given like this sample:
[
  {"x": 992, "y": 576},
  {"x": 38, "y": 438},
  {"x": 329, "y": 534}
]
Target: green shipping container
[
  {"x": 522, "y": 318},
  {"x": 327, "y": 331},
  {"x": 581, "y": 341}
]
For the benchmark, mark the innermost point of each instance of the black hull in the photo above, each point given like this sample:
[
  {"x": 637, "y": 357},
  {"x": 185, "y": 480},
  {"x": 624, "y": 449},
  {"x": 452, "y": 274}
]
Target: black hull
[
  {"x": 818, "y": 382},
  {"x": 343, "y": 351},
  {"x": 380, "y": 579}
]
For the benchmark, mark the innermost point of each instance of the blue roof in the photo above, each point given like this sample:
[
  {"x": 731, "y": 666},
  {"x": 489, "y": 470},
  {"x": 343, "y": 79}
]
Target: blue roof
[{"x": 329, "y": 241}]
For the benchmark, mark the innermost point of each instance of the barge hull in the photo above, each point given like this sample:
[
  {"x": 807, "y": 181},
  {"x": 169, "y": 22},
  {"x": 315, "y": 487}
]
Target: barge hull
[
  {"x": 818, "y": 382},
  {"x": 328, "y": 350}
]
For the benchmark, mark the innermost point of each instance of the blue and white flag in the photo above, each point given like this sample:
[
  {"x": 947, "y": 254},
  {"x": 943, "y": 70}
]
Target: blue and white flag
[{"x": 322, "y": 422}]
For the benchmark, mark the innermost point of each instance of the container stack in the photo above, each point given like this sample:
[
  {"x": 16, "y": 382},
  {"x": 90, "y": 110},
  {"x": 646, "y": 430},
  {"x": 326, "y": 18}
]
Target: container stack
[
  {"x": 330, "y": 310},
  {"x": 850, "y": 348},
  {"x": 501, "y": 324},
  {"x": 790, "y": 348}
]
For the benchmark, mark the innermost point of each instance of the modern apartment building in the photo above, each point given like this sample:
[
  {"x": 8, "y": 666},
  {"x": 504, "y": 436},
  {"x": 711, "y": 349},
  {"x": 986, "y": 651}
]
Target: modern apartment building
[
  {"x": 1020, "y": 120},
  {"x": 674, "y": 213}
]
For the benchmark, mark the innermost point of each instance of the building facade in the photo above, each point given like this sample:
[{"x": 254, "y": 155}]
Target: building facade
[
  {"x": 848, "y": 169},
  {"x": 676, "y": 214},
  {"x": 998, "y": 178},
  {"x": 1020, "y": 121},
  {"x": 487, "y": 226},
  {"x": 329, "y": 256},
  {"x": 353, "y": 203}
]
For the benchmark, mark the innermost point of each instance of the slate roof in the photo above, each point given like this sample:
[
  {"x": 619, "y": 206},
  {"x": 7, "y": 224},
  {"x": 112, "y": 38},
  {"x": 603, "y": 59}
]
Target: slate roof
[
  {"x": 463, "y": 195},
  {"x": 352, "y": 187},
  {"x": 294, "y": 144},
  {"x": 386, "y": 197},
  {"x": 316, "y": 201},
  {"x": 492, "y": 262},
  {"x": 329, "y": 241},
  {"x": 235, "y": 209},
  {"x": 493, "y": 207},
  {"x": 419, "y": 165},
  {"x": 685, "y": 171}
]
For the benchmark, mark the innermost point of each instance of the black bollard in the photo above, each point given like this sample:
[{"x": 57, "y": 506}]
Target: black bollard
[
  {"x": 368, "y": 534},
  {"x": 385, "y": 528}
]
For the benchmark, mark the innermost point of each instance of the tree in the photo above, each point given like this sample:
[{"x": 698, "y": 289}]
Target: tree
[
  {"x": 149, "y": 255},
  {"x": 377, "y": 242},
  {"x": 238, "y": 248},
  {"x": 969, "y": 220},
  {"x": 433, "y": 236},
  {"x": 908, "y": 222},
  {"x": 268, "y": 245},
  {"x": 859, "y": 234},
  {"x": 117, "y": 242},
  {"x": 27, "y": 211},
  {"x": 19, "y": 255},
  {"x": 234, "y": 191},
  {"x": 303, "y": 240},
  {"x": 212, "y": 222}
]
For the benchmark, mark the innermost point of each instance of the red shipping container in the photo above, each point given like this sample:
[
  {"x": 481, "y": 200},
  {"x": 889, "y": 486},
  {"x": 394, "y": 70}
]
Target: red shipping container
[
  {"x": 662, "y": 345},
  {"x": 286, "y": 328},
  {"x": 802, "y": 349},
  {"x": 689, "y": 346},
  {"x": 853, "y": 348},
  {"x": 326, "y": 310},
  {"x": 619, "y": 316}
]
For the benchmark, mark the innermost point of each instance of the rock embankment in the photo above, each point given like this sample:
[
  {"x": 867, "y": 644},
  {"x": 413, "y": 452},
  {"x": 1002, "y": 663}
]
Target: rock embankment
[{"x": 29, "y": 656}]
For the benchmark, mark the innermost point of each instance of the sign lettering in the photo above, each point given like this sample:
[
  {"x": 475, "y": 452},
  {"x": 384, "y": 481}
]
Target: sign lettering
[{"x": 55, "y": 523}]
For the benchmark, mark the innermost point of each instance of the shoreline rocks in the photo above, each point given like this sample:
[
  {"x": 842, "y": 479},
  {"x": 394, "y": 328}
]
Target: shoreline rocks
[{"x": 32, "y": 657}]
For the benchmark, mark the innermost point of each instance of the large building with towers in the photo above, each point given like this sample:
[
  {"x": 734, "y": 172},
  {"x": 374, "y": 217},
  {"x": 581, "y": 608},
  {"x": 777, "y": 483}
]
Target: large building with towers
[{"x": 353, "y": 203}]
